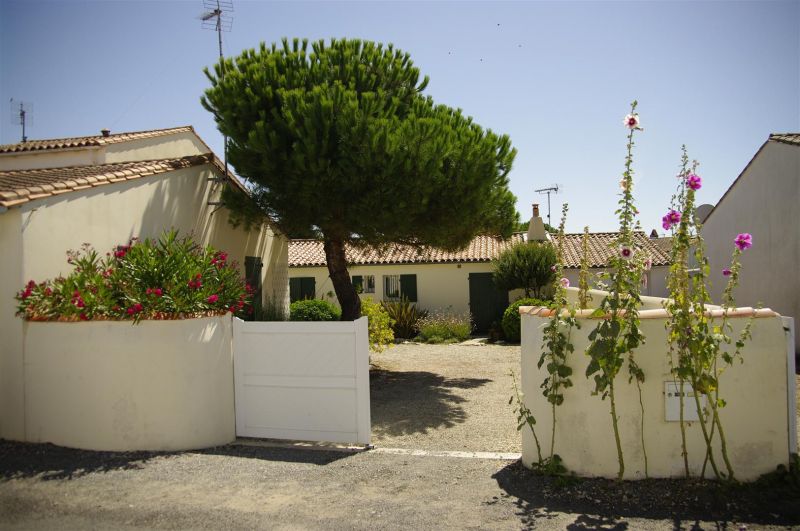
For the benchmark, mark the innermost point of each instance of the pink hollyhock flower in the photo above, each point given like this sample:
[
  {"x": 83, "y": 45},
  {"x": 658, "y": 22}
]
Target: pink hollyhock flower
[
  {"x": 553, "y": 268},
  {"x": 631, "y": 121},
  {"x": 743, "y": 241},
  {"x": 626, "y": 253},
  {"x": 564, "y": 282},
  {"x": 212, "y": 299},
  {"x": 648, "y": 264},
  {"x": 673, "y": 217},
  {"x": 694, "y": 181},
  {"x": 726, "y": 272}
]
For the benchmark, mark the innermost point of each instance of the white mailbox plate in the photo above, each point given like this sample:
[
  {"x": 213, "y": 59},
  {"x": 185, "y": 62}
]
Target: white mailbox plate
[{"x": 672, "y": 402}]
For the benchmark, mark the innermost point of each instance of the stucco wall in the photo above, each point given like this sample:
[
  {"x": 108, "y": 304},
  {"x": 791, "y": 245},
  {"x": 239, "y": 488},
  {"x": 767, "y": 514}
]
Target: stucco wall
[
  {"x": 12, "y": 421},
  {"x": 765, "y": 201},
  {"x": 38, "y": 234},
  {"x": 443, "y": 285},
  {"x": 61, "y": 158},
  {"x": 439, "y": 286},
  {"x": 756, "y": 418},
  {"x": 158, "y": 385}
]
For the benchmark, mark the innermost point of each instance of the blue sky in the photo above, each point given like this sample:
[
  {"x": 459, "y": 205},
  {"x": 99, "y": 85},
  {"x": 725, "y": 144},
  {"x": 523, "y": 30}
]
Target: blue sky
[{"x": 556, "y": 76}]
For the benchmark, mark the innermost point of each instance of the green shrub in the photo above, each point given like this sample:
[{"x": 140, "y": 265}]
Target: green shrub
[
  {"x": 405, "y": 316},
  {"x": 314, "y": 310},
  {"x": 527, "y": 266},
  {"x": 380, "y": 324},
  {"x": 511, "y": 322},
  {"x": 168, "y": 278},
  {"x": 445, "y": 327}
]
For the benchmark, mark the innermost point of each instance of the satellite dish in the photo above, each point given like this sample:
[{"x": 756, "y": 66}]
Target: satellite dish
[{"x": 703, "y": 211}]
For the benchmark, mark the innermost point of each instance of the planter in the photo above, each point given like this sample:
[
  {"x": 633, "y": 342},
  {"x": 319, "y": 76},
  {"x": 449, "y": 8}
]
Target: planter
[
  {"x": 158, "y": 385},
  {"x": 758, "y": 419}
]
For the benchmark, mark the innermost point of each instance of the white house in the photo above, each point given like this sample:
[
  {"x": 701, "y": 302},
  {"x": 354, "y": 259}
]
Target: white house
[
  {"x": 459, "y": 281},
  {"x": 104, "y": 189},
  {"x": 764, "y": 201}
]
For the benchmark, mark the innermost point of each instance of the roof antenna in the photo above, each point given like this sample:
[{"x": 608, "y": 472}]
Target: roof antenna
[
  {"x": 21, "y": 114},
  {"x": 549, "y": 190},
  {"x": 217, "y": 17}
]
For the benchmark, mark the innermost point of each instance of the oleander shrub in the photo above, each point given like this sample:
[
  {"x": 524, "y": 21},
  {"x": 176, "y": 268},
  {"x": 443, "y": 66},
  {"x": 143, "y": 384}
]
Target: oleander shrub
[
  {"x": 405, "y": 316},
  {"x": 511, "y": 322},
  {"x": 445, "y": 327},
  {"x": 314, "y": 310},
  {"x": 380, "y": 324},
  {"x": 171, "y": 277}
]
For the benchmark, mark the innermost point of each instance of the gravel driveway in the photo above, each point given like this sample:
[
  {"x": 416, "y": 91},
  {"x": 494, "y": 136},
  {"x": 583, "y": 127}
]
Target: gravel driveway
[{"x": 445, "y": 397}]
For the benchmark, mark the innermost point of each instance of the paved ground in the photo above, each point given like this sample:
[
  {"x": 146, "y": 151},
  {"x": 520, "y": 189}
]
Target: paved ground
[
  {"x": 437, "y": 398},
  {"x": 445, "y": 397}
]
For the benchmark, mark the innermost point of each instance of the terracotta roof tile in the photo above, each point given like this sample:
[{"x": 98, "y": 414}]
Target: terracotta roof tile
[
  {"x": 88, "y": 141},
  {"x": 20, "y": 186},
  {"x": 309, "y": 253},
  {"x": 786, "y": 138}
]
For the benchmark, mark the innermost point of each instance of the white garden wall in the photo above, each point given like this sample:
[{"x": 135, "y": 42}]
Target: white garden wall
[
  {"x": 758, "y": 419},
  {"x": 108, "y": 385}
]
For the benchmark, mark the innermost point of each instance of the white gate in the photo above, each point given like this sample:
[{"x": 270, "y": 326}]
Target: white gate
[{"x": 302, "y": 380}]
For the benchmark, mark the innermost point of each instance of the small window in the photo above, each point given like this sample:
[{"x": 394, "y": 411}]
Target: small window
[
  {"x": 397, "y": 287},
  {"x": 364, "y": 283},
  {"x": 301, "y": 288}
]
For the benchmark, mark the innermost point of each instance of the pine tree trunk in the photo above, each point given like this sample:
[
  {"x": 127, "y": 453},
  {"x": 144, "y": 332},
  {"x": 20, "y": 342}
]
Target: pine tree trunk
[{"x": 337, "y": 269}]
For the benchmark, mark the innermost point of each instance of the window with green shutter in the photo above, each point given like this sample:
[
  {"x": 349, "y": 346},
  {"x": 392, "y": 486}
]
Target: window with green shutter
[
  {"x": 358, "y": 283},
  {"x": 301, "y": 288}
]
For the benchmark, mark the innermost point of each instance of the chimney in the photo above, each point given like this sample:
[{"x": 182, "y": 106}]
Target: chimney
[
  {"x": 536, "y": 231},
  {"x": 105, "y": 132}
]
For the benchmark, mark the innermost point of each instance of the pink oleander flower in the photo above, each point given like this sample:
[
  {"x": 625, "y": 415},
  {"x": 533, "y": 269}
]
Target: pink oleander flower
[
  {"x": 632, "y": 121},
  {"x": 673, "y": 217},
  {"x": 694, "y": 181},
  {"x": 212, "y": 299},
  {"x": 626, "y": 253},
  {"x": 743, "y": 241},
  {"x": 726, "y": 272},
  {"x": 83, "y": 317},
  {"x": 79, "y": 303},
  {"x": 157, "y": 292},
  {"x": 148, "y": 291},
  {"x": 565, "y": 282}
]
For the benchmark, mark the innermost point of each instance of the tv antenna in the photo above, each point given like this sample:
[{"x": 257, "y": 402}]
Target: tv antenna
[
  {"x": 218, "y": 17},
  {"x": 21, "y": 114},
  {"x": 549, "y": 190}
]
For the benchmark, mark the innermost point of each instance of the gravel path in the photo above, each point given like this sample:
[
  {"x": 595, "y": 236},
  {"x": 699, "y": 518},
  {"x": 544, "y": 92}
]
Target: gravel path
[
  {"x": 445, "y": 397},
  {"x": 246, "y": 487}
]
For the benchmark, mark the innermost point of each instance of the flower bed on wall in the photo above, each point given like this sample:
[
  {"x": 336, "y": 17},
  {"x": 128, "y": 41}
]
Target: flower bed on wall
[{"x": 94, "y": 381}]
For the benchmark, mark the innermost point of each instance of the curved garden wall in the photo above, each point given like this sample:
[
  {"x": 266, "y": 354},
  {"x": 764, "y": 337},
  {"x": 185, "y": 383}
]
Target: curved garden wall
[
  {"x": 758, "y": 418},
  {"x": 111, "y": 385}
]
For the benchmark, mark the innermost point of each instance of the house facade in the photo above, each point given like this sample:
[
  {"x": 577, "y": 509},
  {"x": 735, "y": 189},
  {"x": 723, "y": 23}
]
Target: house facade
[
  {"x": 458, "y": 282},
  {"x": 57, "y": 194},
  {"x": 764, "y": 201}
]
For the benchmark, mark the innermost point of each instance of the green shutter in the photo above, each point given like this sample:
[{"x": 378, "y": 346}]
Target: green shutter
[
  {"x": 308, "y": 289},
  {"x": 294, "y": 289},
  {"x": 408, "y": 287},
  {"x": 358, "y": 283}
]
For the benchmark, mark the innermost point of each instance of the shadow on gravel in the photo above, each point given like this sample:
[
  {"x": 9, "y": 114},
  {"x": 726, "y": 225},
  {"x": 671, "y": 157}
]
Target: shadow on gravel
[
  {"x": 49, "y": 462},
  {"x": 403, "y": 403},
  {"x": 605, "y": 504}
]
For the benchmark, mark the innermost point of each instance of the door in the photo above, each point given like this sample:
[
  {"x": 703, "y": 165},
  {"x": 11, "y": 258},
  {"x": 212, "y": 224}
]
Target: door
[{"x": 486, "y": 302}]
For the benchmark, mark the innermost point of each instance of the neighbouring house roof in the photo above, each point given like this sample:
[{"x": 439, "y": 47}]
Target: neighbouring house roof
[
  {"x": 89, "y": 141},
  {"x": 792, "y": 139},
  {"x": 309, "y": 253},
  {"x": 21, "y": 186},
  {"x": 786, "y": 138}
]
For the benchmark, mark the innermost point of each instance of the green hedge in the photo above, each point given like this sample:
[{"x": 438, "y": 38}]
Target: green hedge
[
  {"x": 314, "y": 310},
  {"x": 511, "y": 322}
]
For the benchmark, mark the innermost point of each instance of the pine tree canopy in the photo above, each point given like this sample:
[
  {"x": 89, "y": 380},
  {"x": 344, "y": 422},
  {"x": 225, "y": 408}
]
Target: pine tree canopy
[{"x": 336, "y": 139}]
